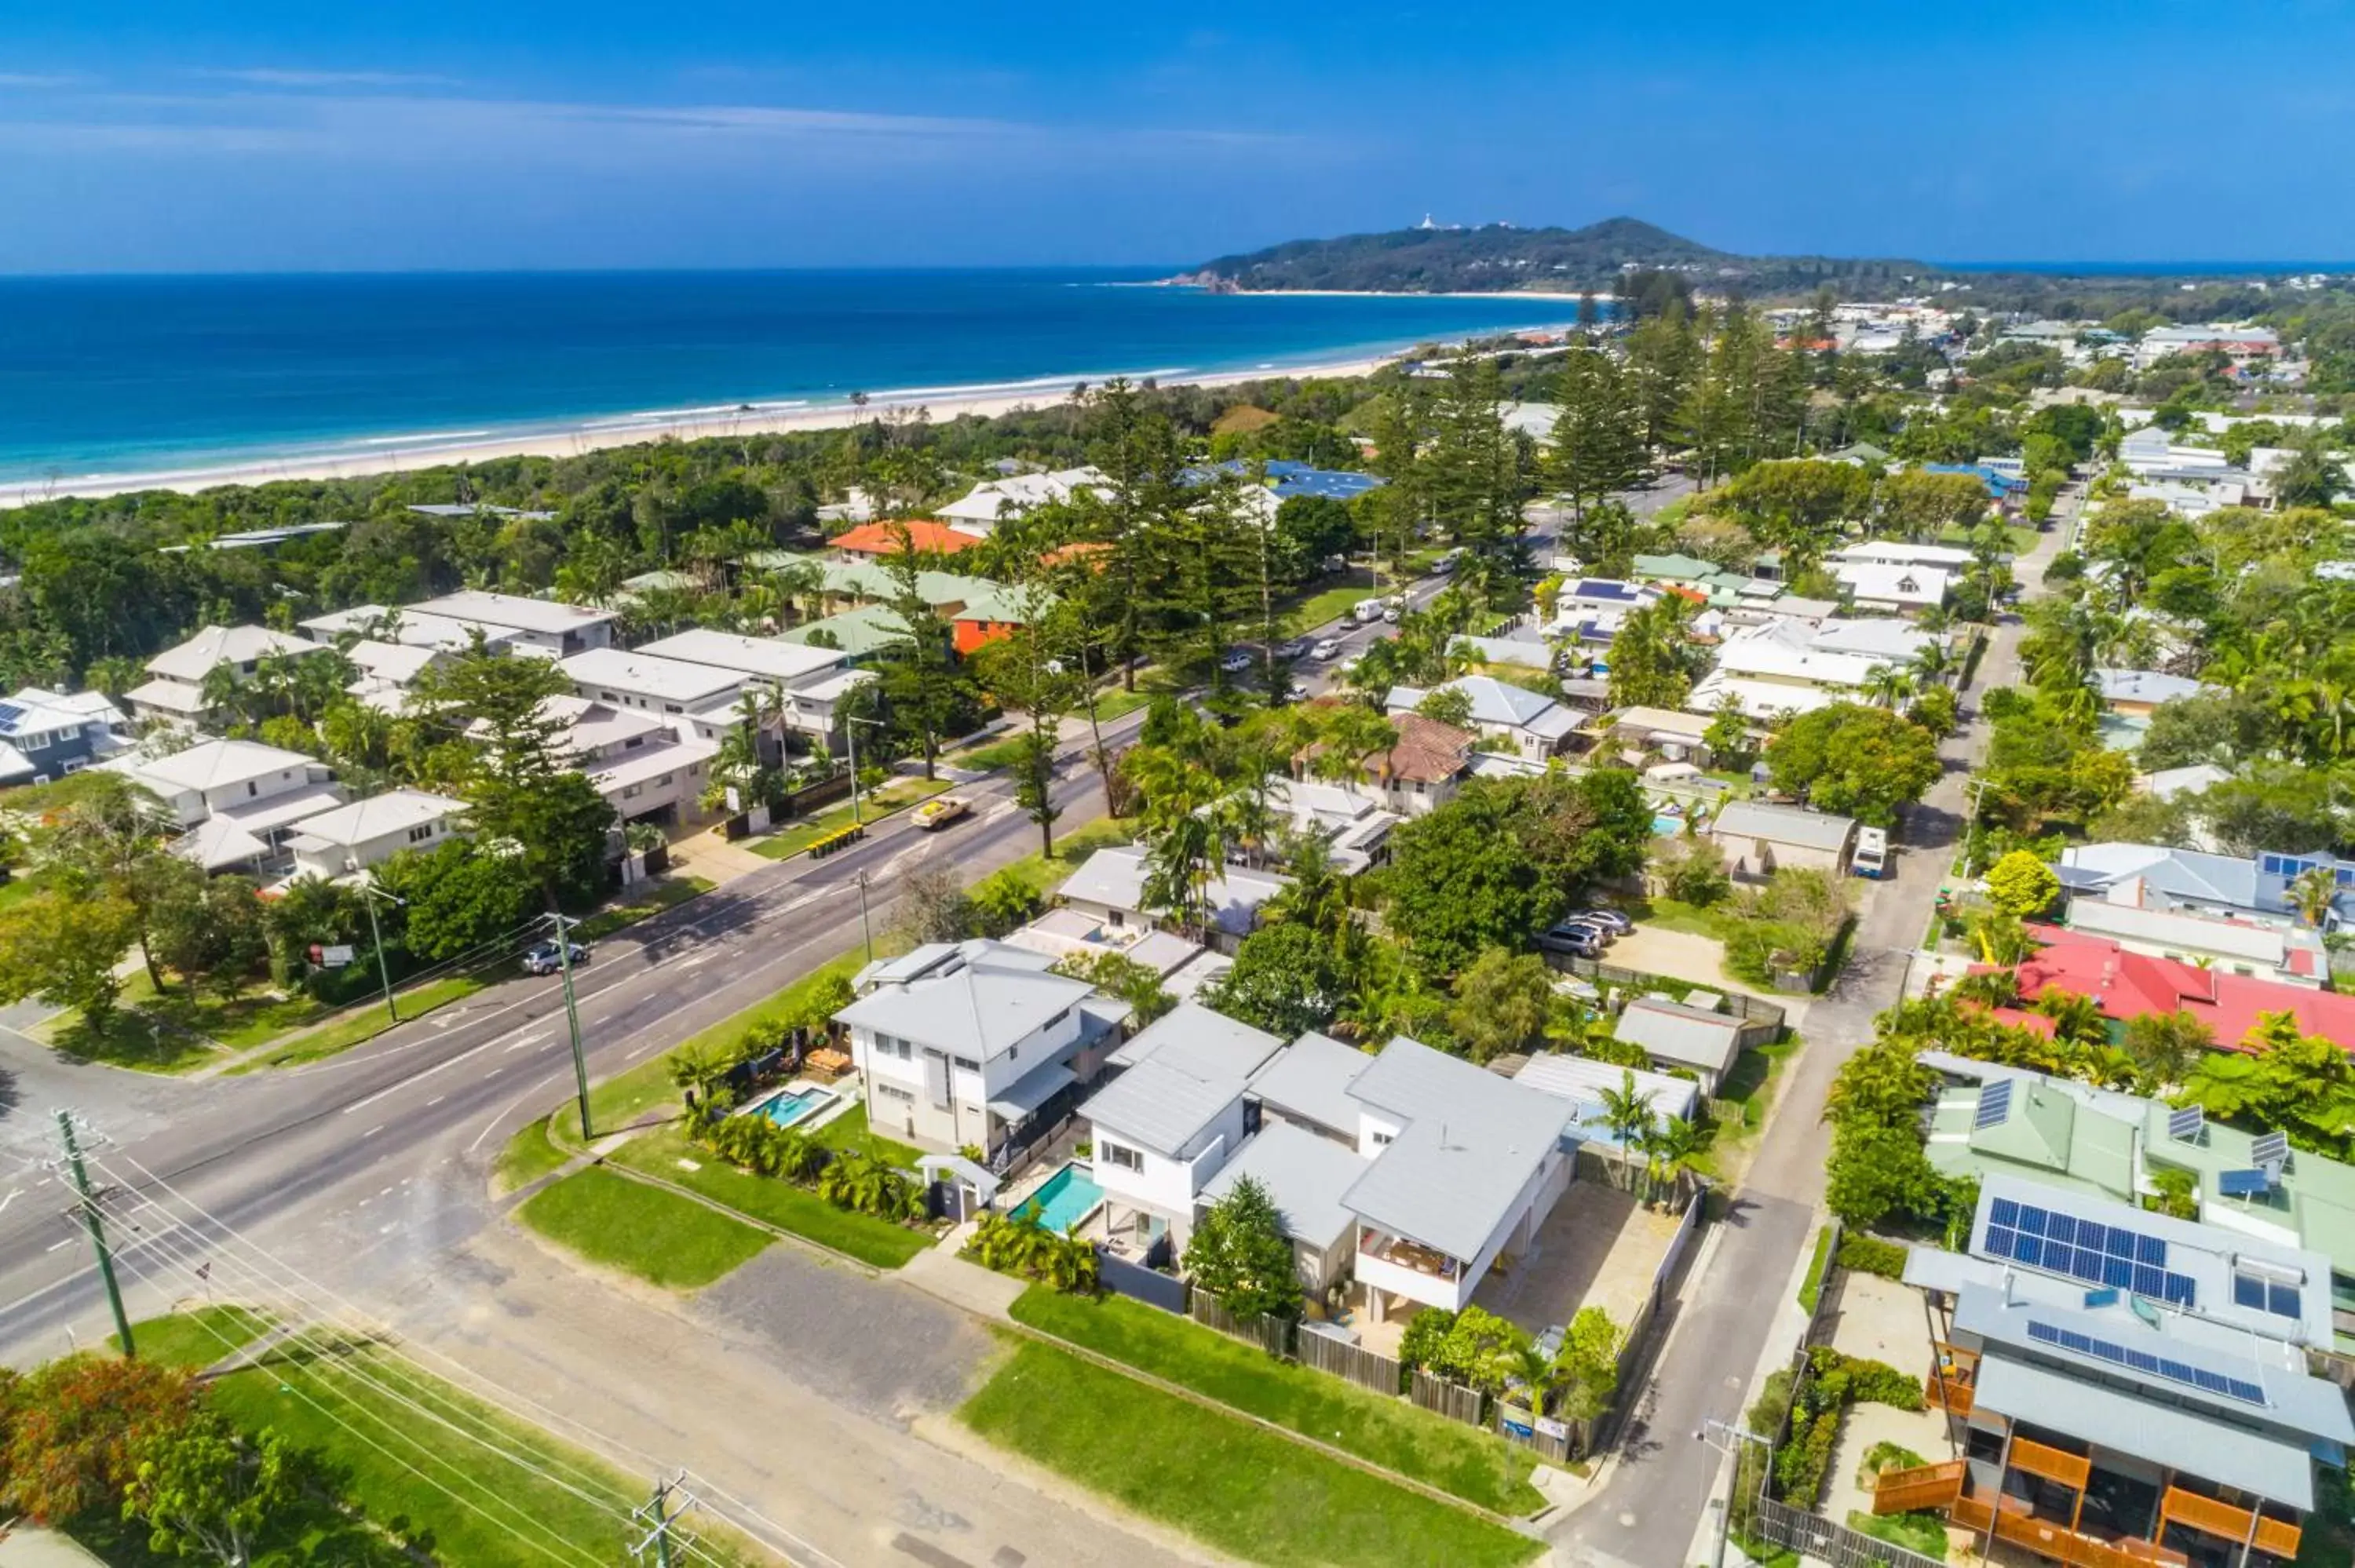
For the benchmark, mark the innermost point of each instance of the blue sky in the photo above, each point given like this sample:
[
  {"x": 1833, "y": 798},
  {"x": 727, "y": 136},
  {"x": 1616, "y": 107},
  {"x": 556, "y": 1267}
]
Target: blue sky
[{"x": 145, "y": 136}]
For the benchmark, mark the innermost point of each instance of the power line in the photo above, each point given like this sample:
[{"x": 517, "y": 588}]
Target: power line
[
  {"x": 288, "y": 1386},
  {"x": 468, "y": 1381}
]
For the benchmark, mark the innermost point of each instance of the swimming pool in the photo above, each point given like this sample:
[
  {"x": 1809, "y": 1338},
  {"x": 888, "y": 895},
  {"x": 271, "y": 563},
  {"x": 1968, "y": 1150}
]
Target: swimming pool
[
  {"x": 796, "y": 1105},
  {"x": 1666, "y": 827},
  {"x": 1063, "y": 1199}
]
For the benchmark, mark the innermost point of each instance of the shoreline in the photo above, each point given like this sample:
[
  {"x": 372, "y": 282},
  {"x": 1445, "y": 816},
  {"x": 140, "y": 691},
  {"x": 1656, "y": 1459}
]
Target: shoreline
[{"x": 359, "y": 457}]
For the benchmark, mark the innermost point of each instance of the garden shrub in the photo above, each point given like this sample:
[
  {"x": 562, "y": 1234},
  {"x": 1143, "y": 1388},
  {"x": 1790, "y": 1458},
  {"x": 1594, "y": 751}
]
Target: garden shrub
[{"x": 1871, "y": 1255}]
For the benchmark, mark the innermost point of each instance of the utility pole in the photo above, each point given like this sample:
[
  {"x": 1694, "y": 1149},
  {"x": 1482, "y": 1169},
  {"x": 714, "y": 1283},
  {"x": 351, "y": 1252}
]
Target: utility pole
[
  {"x": 370, "y": 894},
  {"x": 658, "y": 1510},
  {"x": 850, "y": 733},
  {"x": 97, "y": 1228},
  {"x": 572, "y": 1017},
  {"x": 865, "y": 925}
]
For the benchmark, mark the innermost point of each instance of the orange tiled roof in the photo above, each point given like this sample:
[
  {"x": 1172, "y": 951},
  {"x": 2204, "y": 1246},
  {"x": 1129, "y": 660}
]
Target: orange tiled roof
[{"x": 883, "y": 539}]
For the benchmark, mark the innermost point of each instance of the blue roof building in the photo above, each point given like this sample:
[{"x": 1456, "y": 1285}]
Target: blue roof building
[
  {"x": 1288, "y": 479},
  {"x": 1998, "y": 485}
]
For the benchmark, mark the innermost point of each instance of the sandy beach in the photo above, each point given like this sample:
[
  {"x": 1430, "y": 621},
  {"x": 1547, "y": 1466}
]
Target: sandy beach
[{"x": 397, "y": 454}]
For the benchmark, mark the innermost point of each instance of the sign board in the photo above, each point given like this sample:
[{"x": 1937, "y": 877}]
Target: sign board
[
  {"x": 1558, "y": 1430},
  {"x": 335, "y": 957}
]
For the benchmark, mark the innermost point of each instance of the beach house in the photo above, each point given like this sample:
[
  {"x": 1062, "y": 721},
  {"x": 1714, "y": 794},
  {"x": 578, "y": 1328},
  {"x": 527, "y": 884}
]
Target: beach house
[
  {"x": 1529, "y": 725},
  {"x": 540, "y": 626},
  {"x": 963, "y": 1044},
  {"x": 808, "y": 686},
  {"x": 175, "y": 693}
]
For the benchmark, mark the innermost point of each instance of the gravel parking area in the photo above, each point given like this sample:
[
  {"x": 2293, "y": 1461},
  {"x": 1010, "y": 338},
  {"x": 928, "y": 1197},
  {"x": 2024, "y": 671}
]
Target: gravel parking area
[{"x": 876, "y": 1346}]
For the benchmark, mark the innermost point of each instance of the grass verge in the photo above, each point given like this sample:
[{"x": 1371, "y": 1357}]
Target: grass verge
[
  {"x": 1458, "y": 1459},
  {"x": 895, "y": 796},
  {"x": 1327, "y": 605},
  {"x": 423, "y": 1461},
  {"x": 1045, "y": 874},
  {"x": 1811, "y": 1289},
  {"x": 661, "y": 1238},
  {"x": 667, "y": 1154},
  {"x": 361, "y": 1024},
  {"x": 128, "y": 1039},
  {"x": 1238, "y": 1488},
  {"x": 195, "y": 1340},
  {"x": 665, "y": 894}
]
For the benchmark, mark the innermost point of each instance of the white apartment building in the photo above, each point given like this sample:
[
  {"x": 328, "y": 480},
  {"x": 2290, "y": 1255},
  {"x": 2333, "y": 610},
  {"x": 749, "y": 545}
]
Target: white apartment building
[
  {"x": 535, "y": 625},
  {"x": 634, "y": 760},
  {"x": 810, "y": 683},
  {"x": 961, "y": 1045},
  {"x": 176, "y": 694}
]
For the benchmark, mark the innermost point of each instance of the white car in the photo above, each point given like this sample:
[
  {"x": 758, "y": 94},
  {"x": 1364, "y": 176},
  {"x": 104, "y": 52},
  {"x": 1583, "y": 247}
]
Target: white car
[
  {"x": 1235, "y": 663},
  {"x": 1325, "y": 651},
  {"x": 1390, "y": 616},
  {"x": 1369, "y": 611}
]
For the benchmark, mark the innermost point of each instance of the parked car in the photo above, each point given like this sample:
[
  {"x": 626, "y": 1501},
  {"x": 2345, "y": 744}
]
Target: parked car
[
  {"x": 1292, "y": 648},
  {"x": 941, "y": 810},
  {"x": 1578, "y": 941},
  {"x": 1603, "y": 935},
  {"x": 1236, "y": 662},
  {"x": 1609, "y": 920},
  {"x": 546, "y": 958},
  {"x": 1326, "y": 649}
]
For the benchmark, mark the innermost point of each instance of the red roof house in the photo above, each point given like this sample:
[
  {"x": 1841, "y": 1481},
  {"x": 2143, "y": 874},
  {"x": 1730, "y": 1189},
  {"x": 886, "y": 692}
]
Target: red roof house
[
  {"x": 2128, "y": 985},
  {"x": 928, "y": 539}
]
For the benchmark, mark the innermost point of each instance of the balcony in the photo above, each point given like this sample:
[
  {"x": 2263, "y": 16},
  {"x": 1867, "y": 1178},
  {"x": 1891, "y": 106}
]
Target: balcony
[
  {"x": 1954, "y": 1374},
  {"x": 1403, "y": 1253},
  {"x": 2057, "y": 1542},
  {"x": 2275, "y": 1538},
  {"x": 1927, "y": 1485}
]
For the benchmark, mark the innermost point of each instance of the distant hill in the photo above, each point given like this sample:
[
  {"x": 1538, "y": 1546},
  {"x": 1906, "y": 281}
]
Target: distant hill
[{"x": 1497, "y": 257}]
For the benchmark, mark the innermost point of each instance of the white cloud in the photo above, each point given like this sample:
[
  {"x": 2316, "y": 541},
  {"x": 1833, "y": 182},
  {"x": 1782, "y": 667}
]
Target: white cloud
[
  {"x": 36, "y": 81},
  {"x": 276, "y": 76}
]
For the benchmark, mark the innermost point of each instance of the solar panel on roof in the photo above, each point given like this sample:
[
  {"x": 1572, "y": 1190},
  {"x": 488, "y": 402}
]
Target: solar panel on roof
[
  {"x": 2272, "y": 1146},
  {"x": 2185, "y": 1125},
  {"x": 2104, "y": 1256},
  {"x": 2142, "y": 1362},
  {"x": 1995, "y": 1105}
]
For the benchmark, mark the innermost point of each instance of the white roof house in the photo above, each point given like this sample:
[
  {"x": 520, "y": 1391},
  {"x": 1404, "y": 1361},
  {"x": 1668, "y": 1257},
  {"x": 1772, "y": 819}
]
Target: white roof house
[
  {"x": 1676, "y": 1035},
  {"x": 699, "y": 701},
  {"x": 1581, "y": 1081},
  {"x": 811, "y": 681},
  {"x": 1898, "y": 586},
  {"x": 225, "y": 775},
  {"x": 2145, "y": 688},
  {"x": 1900, "y": 553},
  {"x": 537, "y": 624},
  {"x": 979, "y": 510},
  {"x": 963, "y": 1043},
  {"x": 409, "y": 628},
  {"x": 176, "y": 692},
  {"x": 1110, "y": 885},
  {"x": 1530, "y": 723},
  {"x": 1757, "y": 836},
  {"x": 354, "y": 837}
]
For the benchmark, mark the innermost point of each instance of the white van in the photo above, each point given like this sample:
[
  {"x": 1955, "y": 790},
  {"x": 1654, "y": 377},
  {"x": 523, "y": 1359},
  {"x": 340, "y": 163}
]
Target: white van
[{"x": 1872, "y": 856}]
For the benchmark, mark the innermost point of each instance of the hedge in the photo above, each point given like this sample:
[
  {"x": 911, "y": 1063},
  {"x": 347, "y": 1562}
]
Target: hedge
[{"x": 1871, "y": 1255}]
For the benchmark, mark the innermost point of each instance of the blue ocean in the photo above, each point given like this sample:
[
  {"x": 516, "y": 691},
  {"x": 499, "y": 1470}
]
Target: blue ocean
[{"x": 119, "y": 375}]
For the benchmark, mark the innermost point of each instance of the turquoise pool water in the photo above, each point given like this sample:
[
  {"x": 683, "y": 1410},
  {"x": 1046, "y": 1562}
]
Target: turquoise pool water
[
  {"x": 799, "y": 1105},
  {"x": 1064, "y": 1200},
  {"x": 1666, "y": 827}
]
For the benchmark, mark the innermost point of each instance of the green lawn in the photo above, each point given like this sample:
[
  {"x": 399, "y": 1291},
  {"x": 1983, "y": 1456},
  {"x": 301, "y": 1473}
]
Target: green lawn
[
  {"x": 1924, "y": 1532},
  {"x": 131, "y": 1038},
  {"x": 1811, "y": 1289},
  {"x": 365, "y": 1022},
  {"x": 195, "y": 1340},
  {"x": 799, "y": 835},
  {"x": 1329, "y": 604},
  {"x": 1001, "y": 753},
  {"x": 1458, "y": 1459},
  {"x": 661, "y": 1238},
  {"x": 1118, "y": 703},
  {"x": 1674, "y": 915},
  {"x": 16, "y": 889},
  {"x": 532, "y": 1154},
  {"x": 481, "y": 1486},
  {"x": 664, "y": 893},
  {"x": 1238, "y": 1488},
  {"x": 850, "y": 1130},
  {"x": 768, "y": 1199},
  {"x": 1045, "y": 875}
]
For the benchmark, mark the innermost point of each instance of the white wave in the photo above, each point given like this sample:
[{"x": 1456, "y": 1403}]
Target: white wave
[{"x": 424, "y": 436}]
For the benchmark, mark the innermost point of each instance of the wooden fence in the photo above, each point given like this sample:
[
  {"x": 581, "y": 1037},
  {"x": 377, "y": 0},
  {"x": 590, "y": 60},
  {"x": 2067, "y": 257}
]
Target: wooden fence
[
  {"x": 1816, "y": 1537},
  {"x": 1442, "y": 1397},
  {"x": 1366, "y": 1368},
  {"x": 1272, "y": 1335}
]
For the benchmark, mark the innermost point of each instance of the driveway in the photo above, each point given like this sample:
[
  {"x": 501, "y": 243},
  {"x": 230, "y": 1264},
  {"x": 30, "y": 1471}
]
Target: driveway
[
  {"x": 1646, "y": 1511},
  {"x": 1599, "y": 1248}
]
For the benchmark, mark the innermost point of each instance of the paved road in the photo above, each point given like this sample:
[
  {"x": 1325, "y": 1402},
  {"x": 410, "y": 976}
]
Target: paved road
[{"x": 1646, "y": 1513}]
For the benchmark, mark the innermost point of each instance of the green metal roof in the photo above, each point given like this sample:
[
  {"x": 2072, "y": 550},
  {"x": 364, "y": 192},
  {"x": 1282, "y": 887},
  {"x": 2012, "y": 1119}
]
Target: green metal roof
[{"x": 860, "y": 632}]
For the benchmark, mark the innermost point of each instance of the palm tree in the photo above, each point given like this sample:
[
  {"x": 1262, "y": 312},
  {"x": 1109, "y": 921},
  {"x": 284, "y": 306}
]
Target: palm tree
[
  {"x": 2313, "y": 891},
  {"x": 1675, "y": 1143},
  {"x": 1889, "y": 685},
  {"x": 1626, "y": 1113},
  {"x": 2077, "y": 1019},
  {"x": 2166, "y": 1045},
  {"x": 1931, "y": 661}
]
